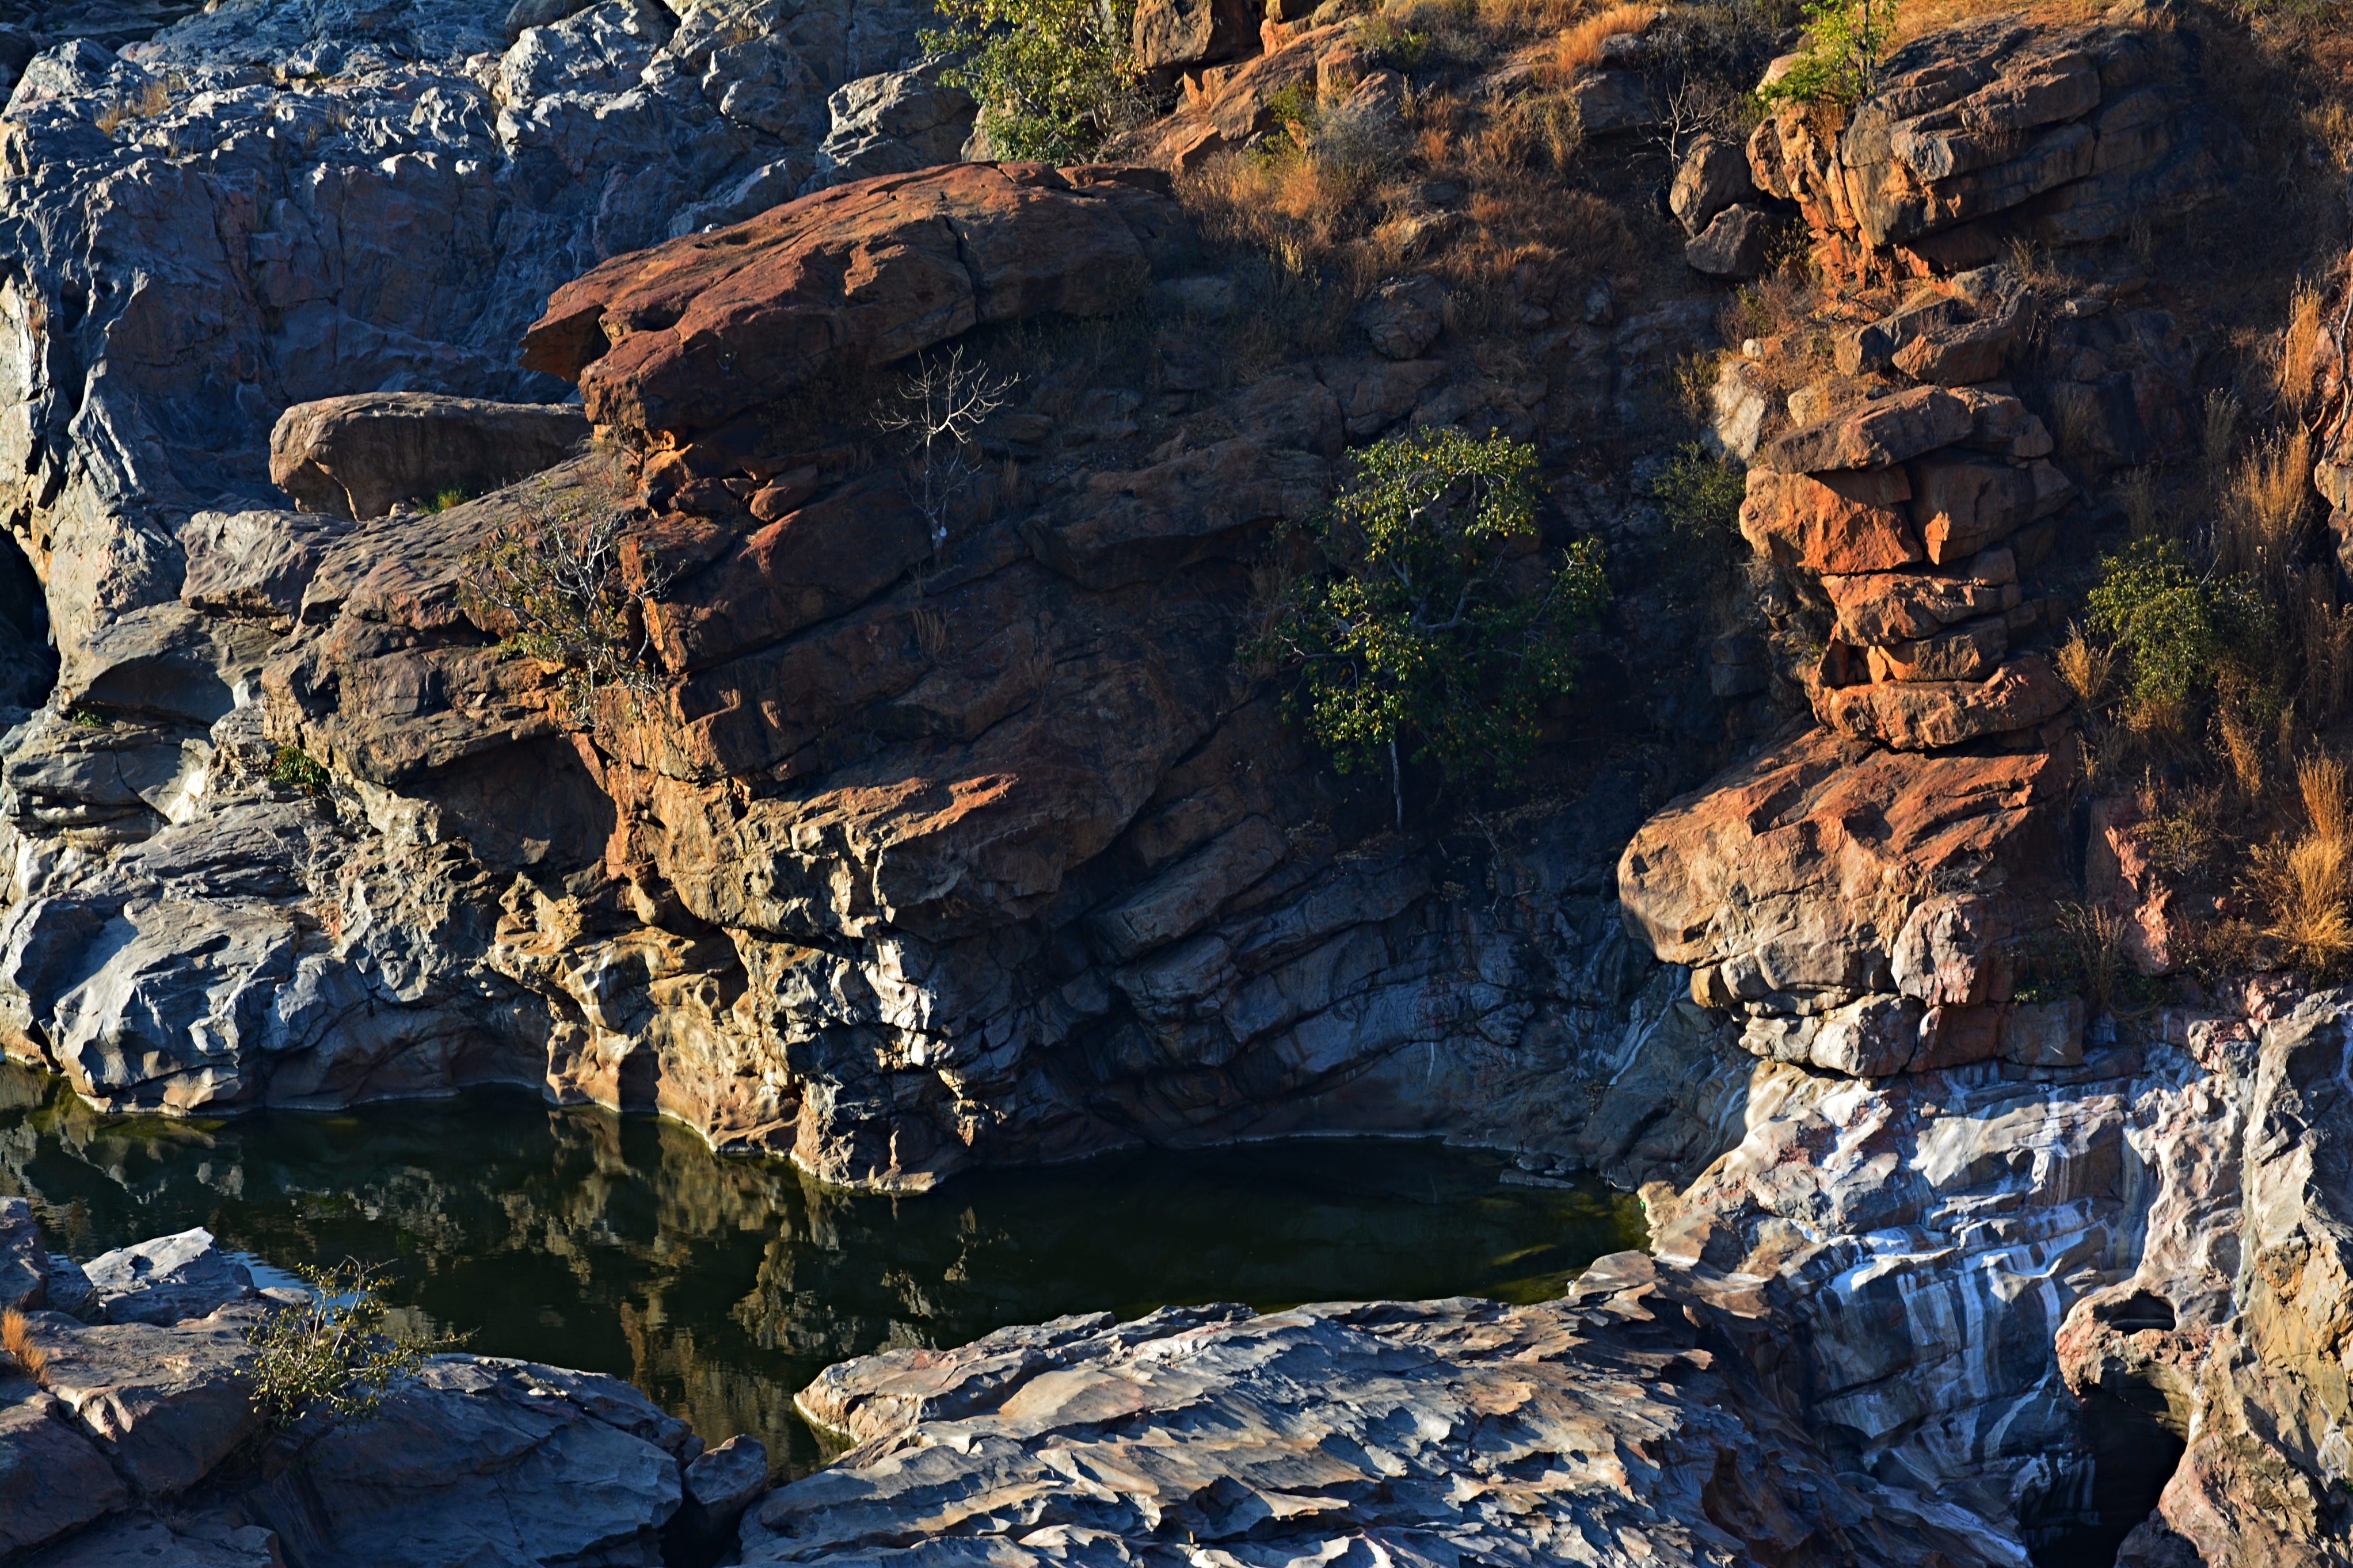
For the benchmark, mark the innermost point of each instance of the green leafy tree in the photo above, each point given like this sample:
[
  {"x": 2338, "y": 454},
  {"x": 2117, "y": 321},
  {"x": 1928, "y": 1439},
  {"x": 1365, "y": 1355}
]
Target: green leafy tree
[
  {"x": 1701, "y": 493},
  {"x": 333, "y": 1356},
  {"x": 1053, "y": 77},
  {"x": 2184, "y": 632},
  {"x": 1848, "y": 39},
  {"x": 1431, "y": 620}
]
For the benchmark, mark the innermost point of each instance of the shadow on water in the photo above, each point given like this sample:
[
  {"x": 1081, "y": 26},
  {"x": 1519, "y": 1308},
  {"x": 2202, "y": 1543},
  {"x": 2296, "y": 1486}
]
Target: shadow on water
[{"x": 719, "y": 1286}]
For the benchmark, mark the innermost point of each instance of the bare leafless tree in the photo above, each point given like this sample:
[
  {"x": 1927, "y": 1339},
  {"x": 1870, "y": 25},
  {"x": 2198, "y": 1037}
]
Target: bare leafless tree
[{"x": 942, "y": 405}]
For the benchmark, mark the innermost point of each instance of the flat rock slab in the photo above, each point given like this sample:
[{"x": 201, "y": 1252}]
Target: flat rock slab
[
  {"x": 167, "y": 1280},
  {"x": 487, "y": 1461},
  {"x": 165, "y": 1404},
  {"x": 1454, "y": 1431},
  {"x": 689, "y": 334},
  {"x": 1935, "y": 714}
]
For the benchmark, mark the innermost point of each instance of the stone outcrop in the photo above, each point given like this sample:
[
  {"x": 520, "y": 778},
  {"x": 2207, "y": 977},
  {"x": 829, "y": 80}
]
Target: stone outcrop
[
  {"x": 684, "y": 338},
  {"x": 1443, "y": 1429},
  {"x": 472, "y": 1457},
  {"x": 1997, "y": 130},
  {"x": 360, "y": 457}
]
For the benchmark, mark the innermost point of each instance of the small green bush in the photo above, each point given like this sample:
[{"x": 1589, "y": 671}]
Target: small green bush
[
  {"x": 1841, "y": 63},
  {"x": 1428, "y": 620},
  {"x": 1385, "y": 42},
  {"x": 2184, "y": 633},
  {"x": 1053, "y": 77},
  {"x": 87, "y": 719},
  {"x": 332, "y": 1356},
  {"x": 442, "y": 500},
  {"x": 296, "y": 769},
  {"x": 1699, "y": 493}
]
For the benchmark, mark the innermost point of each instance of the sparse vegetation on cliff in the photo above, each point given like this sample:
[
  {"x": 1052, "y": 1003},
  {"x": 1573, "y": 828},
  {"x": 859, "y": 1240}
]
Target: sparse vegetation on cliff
[
  {"x": 1426, "y": 616},
  {"x": 551, "y": 584},
  {"x": 1054, "y": 78}
]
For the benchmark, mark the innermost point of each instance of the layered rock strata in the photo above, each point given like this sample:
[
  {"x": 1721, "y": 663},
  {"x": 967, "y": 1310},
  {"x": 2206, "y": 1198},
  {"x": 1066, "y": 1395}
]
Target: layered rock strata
[{"x": 1999, "y": 130}]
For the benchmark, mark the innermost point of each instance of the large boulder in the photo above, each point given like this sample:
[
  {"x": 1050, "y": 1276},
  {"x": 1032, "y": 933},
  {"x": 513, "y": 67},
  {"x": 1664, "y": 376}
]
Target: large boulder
[
  {"x": 1169, "y": 33},
  {"x": 168, "y": 1279},
  {"x": 359, "y": 457},
  {"x": 689, "y": 334}
]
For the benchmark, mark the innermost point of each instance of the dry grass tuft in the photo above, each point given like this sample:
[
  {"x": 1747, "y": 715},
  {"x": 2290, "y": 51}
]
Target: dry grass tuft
[
  {"x": 2325, "y": 634},
  {"x": 2300, "y": 349},
  {"x": 2086, "y": 666},
  {"x": 16, "y": 1339},
  {"x": 2242, "y": 748},
  {"x": 1579, "y": 49},
  {"x": 2143, "y": 498},
  {"x": 2096, "y": 936},
  {"x": 2320, "y": 784},
  {"x": 2259, "y": 524},
  {"x": 2221, "y": 433},
  {"x": 2304, "y": 884}
]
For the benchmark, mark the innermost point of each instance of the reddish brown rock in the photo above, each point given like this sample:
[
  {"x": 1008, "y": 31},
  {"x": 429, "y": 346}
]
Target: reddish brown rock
[
  {"x": 1803, "y": 866},
  {"x": 1837, "y": 522},
  {"x": 359, "y": 457},
  {"x": 1141, "y": 526},
  {"x": 1968, "y": 652},
  {"x": 801, "y": 569},
  {"x": 1885, "y": 607},
  {"x": 1963, "y": 502},
  {"x": 688, "y": 335},
  {"x": 2018, "y": 696},
  {"x": 1874, "y": 435}
]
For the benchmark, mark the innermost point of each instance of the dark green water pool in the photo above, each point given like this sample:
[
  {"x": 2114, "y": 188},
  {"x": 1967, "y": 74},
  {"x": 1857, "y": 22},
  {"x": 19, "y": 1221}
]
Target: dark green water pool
[{"x": 719, "y": 1286}]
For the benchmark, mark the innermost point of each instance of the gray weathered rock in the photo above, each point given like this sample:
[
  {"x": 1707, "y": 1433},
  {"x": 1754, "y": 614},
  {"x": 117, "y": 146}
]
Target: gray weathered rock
[
  {"x": 168, "y": 1279},
  {"x": 893, "y": 124},
  {"x": 1404, "y": 316},
  {"x": 1443, "y": 1429},
  {"x": 53, "y": 1476},
  {"x": 1713, "y": 175},
  {"x": 1733, "y": 243},
  {"x": 23, "y": 1266}
]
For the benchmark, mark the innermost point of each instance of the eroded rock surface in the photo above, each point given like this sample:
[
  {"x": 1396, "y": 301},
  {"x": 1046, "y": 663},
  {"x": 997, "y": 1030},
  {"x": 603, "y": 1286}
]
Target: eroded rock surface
[{"x": 1425, "y": 1431}]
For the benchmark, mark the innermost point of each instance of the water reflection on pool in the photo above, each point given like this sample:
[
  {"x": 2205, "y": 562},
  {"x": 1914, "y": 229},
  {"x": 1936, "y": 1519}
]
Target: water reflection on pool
[{"x": 719, "y": 1286}]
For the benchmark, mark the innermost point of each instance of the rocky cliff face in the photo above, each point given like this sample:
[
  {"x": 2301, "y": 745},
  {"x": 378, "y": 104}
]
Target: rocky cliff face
[{"x": 957, "y": 834}]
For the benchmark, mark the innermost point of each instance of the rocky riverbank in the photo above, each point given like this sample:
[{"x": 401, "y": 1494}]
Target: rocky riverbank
[{"x": 952, "y": 831}]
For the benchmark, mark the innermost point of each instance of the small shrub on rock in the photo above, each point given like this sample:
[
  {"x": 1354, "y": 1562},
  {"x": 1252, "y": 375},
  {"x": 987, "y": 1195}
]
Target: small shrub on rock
[
  {"x": 1430, "y": 617},
  {"x": 2184, "y": 633},
  {"x": 1848, "y": 38},
  {"x": 1701, "y": 493},
  {"x": 332, "y": 1356},
  {"x": 1054, "y": 78},
  {"x": 552, "y": 583},
  {"x": 297, "y": 769}
]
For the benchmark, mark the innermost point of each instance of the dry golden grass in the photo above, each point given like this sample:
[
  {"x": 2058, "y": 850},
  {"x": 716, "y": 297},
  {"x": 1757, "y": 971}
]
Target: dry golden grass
[
  {"x": 2302, "y": 884},
  {"x": 2300, "y": 348},
  {"x": 2143, "y": 497},
  {"x": 16, "y": 1339},
  {"x": 2241, "y": 747},
  {"x": 2086, "y": 666},
  {"x": 2096, "y": 935},
  {"x": 1579, "y": 48},
  {"x": 2259, "y": 523},
  {"x": 2320, "y": 785}
]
